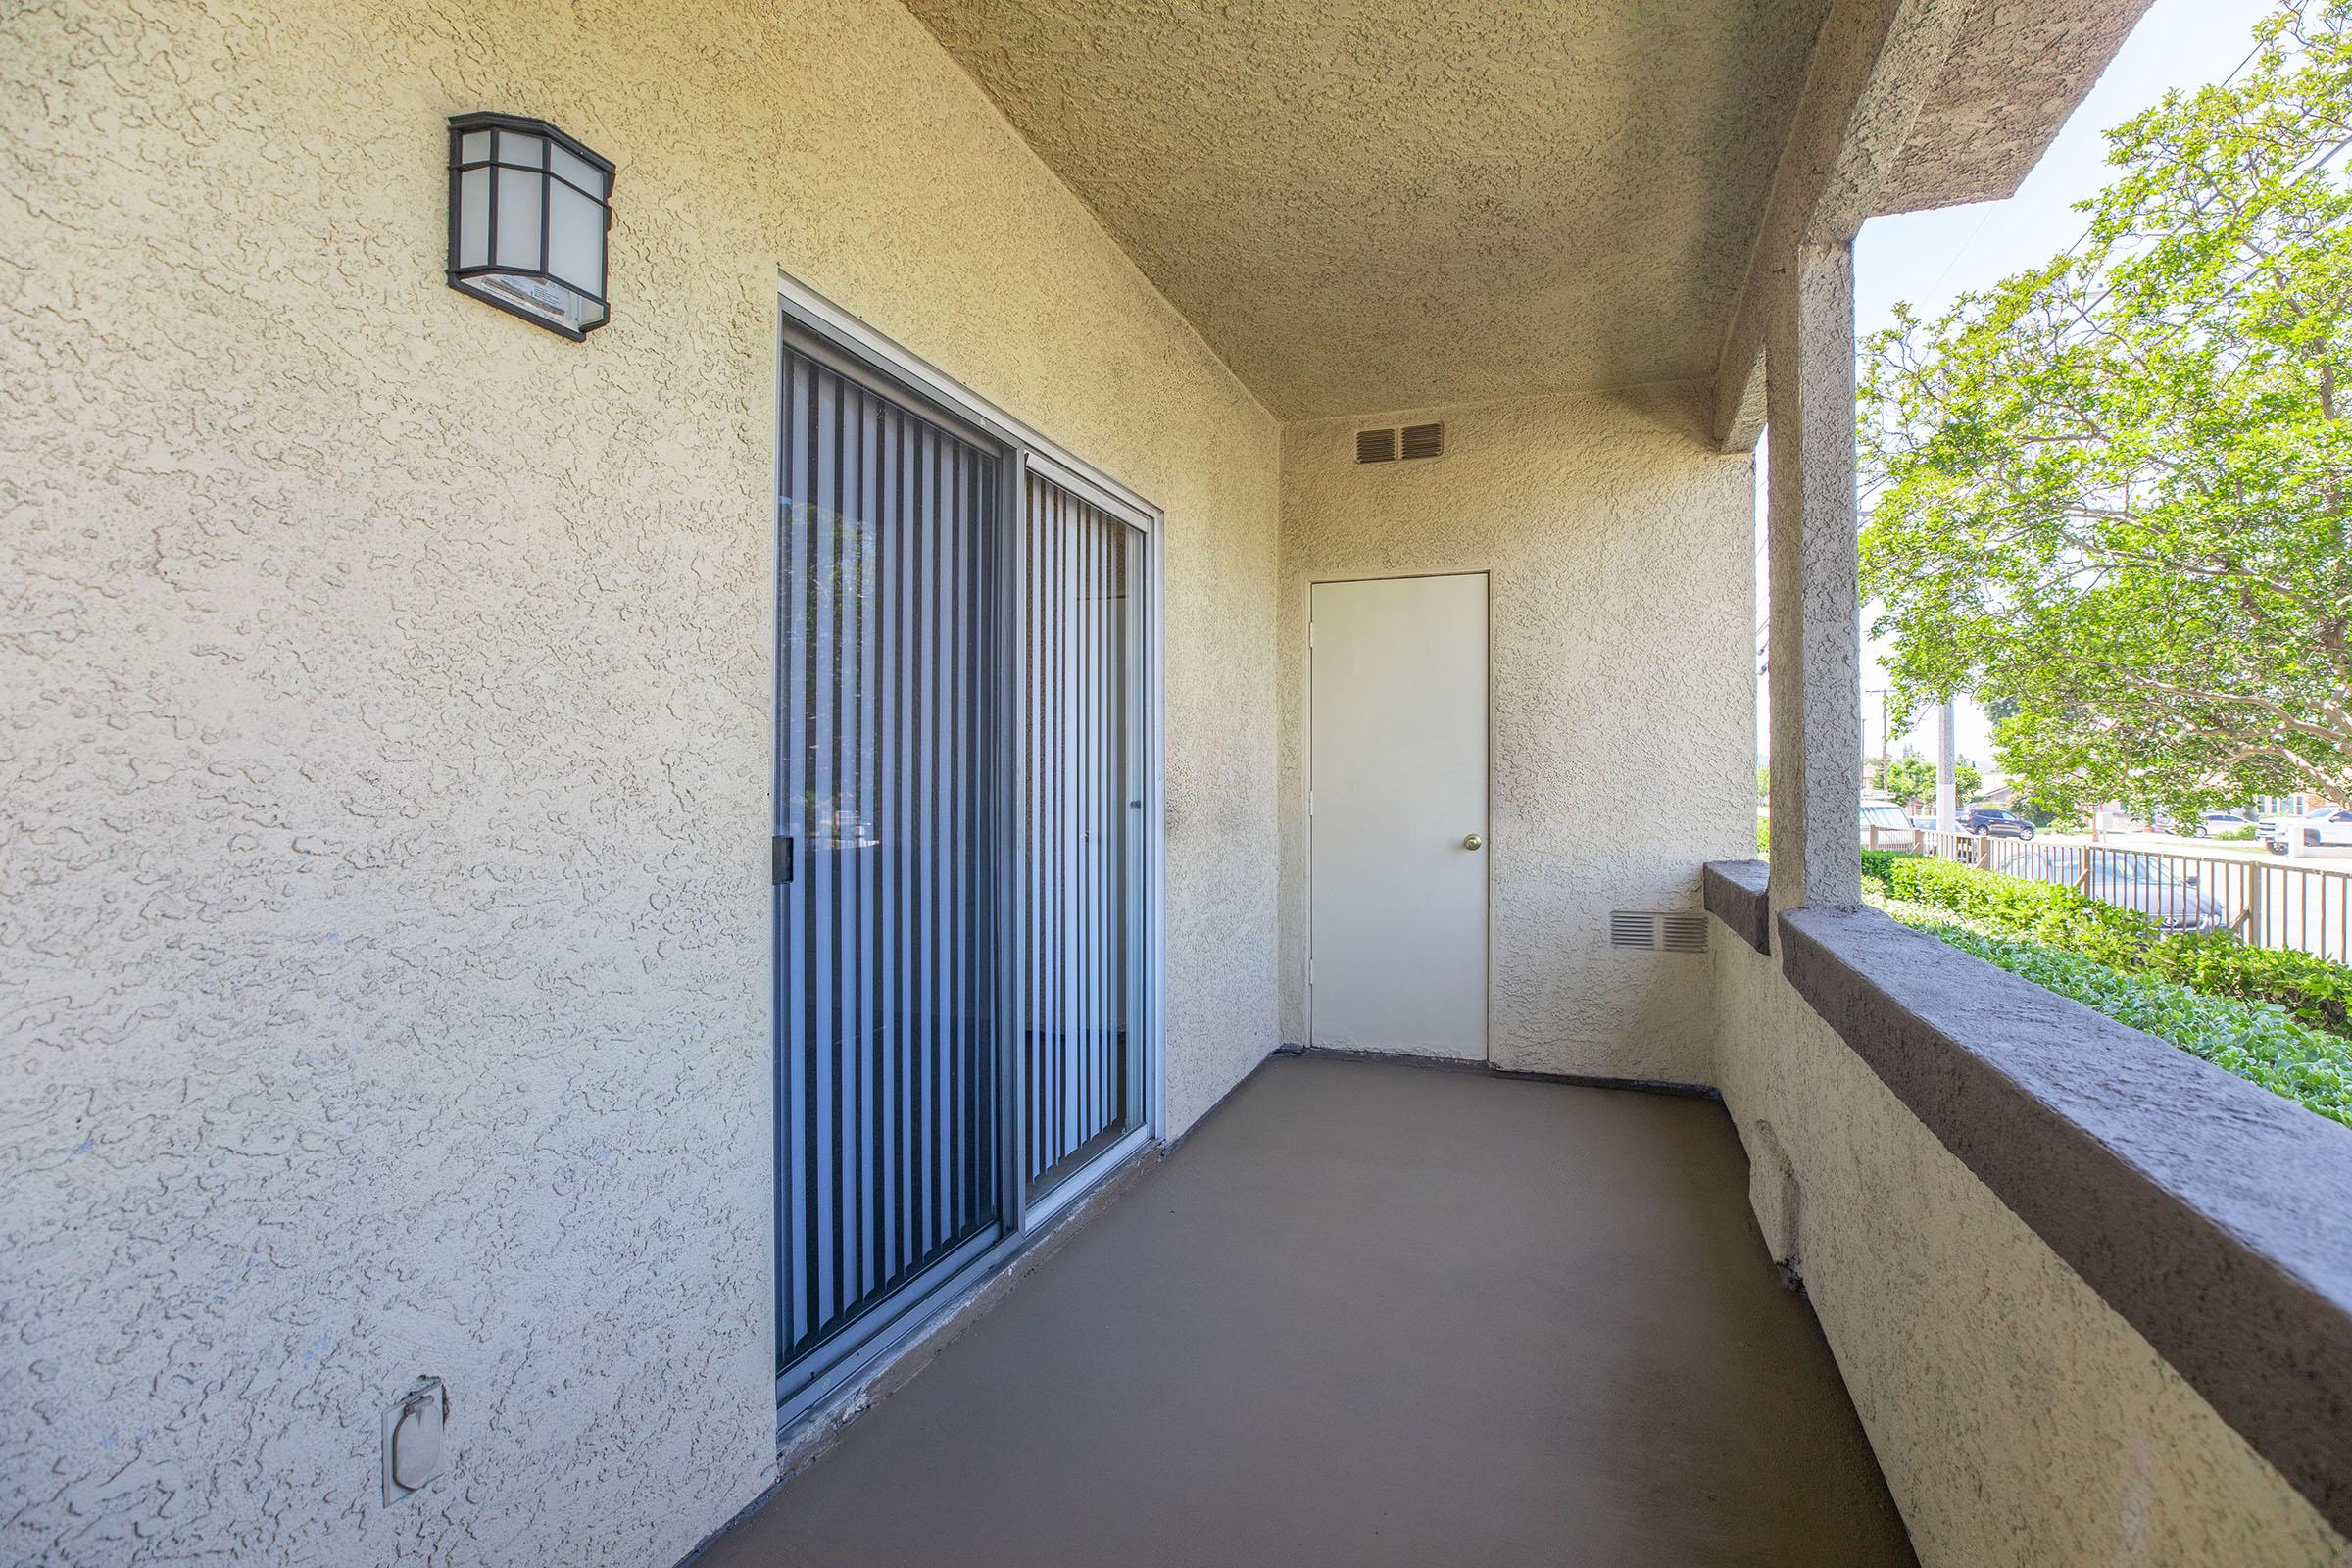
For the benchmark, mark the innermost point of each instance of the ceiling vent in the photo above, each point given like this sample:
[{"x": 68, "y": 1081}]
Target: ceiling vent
[
  {"x": 1376, "y": 446},
  {"x": 1655, "y": 932},
  {"x": 1424, "y": 440}
]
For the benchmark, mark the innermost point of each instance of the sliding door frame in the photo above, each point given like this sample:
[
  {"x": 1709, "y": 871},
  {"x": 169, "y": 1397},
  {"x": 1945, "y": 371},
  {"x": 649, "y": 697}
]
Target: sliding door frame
[
  {"x": 806, "y": 320},
  {"x": 1036, "y": 1208}
]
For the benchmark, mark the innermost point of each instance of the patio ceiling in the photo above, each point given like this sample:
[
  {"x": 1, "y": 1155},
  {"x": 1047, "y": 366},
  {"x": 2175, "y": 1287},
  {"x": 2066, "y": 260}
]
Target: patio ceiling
[{"x": 1365, "y": 206}]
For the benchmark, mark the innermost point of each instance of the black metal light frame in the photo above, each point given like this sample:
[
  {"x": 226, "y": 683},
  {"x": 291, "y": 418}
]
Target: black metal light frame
[{"x": 462, "y": 278}]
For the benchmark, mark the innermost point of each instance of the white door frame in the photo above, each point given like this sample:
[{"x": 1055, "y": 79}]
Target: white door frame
[{"x": 1306, "y": 747}]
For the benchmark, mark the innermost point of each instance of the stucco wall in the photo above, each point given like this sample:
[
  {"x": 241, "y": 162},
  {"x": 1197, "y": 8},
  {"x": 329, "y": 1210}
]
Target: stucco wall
[
  {"x": 383, "y": 931},
  {"x": 2017, "y": 1417},
  {"x": 1620, "y": 546}
]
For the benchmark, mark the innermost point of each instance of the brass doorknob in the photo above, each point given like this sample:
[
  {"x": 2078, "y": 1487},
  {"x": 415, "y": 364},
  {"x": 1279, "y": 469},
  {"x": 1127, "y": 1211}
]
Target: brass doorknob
[{"x": 1474, "y": 841}]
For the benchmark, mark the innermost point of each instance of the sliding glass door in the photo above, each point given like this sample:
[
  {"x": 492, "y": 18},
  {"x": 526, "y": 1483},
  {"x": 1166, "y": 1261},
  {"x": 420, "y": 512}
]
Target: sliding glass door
[
  {"x": 889, "y": 1057},
  {"x": 960, "y": 855},
  {"x": 1081, "y": 830}
]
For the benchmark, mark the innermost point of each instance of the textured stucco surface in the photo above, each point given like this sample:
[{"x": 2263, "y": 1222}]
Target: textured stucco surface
[
  {"x": 1367, "y": 206},
  {"x": 383, "y": 931},
  {"x": 1738, "y": 893},
  {"x": 1909, "y": 104},
  {"x": 2017, "y": 1417},
  {"x": 2008, "y": 84},
  {"x": 2206, "y": 1210},
  {"x": 1619, "y": 545},
  {"x": 1815, "y": 678}
]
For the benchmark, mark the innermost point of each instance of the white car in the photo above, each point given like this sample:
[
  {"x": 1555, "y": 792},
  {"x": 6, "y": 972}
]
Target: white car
[
  {"x": 2204, "y": 824},
  {"x": 2333, "y": 833},
  {"x": 2273, "y": 830},
  {"x": 2156, "y": 887}
]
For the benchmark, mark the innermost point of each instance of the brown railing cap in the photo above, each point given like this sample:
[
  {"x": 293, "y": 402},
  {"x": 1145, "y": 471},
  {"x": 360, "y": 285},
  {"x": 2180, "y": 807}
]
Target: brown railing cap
[{"x": 1737, "y": 893}]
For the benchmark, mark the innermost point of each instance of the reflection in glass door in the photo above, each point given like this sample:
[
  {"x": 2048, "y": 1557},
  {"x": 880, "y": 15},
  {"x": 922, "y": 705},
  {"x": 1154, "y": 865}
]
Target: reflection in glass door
[
  {"x": 1081, "y": 832},
  {"x": 889, "y": 1060}
]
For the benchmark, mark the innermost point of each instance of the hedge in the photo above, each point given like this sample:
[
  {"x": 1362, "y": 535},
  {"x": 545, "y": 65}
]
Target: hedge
[
  {"x": 2315, "y": 992},
  {"x": 2255, "y": 1040}
]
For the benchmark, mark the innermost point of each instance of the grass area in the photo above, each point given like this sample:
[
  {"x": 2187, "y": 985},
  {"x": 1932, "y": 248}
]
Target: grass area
[{"x": 2277, "y": 1019}]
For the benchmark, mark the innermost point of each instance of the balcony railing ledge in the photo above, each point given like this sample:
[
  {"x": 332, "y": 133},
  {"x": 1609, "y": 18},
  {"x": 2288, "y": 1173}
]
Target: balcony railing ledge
[
  {"x": 1737, "y": 893},
  {"x": 2208, "y": 1213}
]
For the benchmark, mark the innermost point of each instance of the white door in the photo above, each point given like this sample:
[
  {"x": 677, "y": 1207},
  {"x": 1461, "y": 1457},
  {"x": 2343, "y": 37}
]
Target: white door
[{"x": 1397, "y": 807}]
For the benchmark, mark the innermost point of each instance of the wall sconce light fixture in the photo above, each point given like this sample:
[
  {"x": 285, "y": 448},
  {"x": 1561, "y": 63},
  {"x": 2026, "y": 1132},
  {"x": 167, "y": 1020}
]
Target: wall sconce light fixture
[{"x": 529, "y": 209}]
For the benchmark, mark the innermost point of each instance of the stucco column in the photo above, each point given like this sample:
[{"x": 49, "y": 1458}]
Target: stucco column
[{"x": 1816, "y": 639}]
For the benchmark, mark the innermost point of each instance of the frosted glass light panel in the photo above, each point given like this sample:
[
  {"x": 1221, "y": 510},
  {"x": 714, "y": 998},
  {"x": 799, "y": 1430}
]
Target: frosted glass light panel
[{"x": 529, "y": 209}]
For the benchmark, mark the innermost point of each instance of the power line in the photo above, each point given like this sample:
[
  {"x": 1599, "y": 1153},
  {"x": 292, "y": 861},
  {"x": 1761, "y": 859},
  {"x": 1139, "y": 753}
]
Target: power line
[{"x": 2235, "y": 72}]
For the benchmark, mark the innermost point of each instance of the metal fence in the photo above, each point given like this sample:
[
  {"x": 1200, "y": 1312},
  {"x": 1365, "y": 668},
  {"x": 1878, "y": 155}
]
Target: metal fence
[{"x": 2283, "y": 904}]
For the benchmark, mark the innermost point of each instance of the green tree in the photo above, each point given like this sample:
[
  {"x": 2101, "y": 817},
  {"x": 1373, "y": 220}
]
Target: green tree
[
  {"x": 2108, "y": 497},
  {"x": 1911, "y": 779}
]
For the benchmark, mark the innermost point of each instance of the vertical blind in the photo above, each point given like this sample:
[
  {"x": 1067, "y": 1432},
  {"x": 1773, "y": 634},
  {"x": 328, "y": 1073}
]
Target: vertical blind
[
  {"x": 1080, "y": 828},
  {"x": 888, "y": 1064}
]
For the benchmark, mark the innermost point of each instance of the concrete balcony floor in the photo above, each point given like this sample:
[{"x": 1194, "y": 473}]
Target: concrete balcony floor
[{"x": 1378, "y": 1314}]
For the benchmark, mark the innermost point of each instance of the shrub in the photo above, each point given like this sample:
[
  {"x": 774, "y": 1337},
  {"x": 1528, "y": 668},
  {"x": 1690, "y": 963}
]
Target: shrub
[
  {"x": 2314, "y": 991},
  {"x": 2045, "y": 911},
  {"x": 2237, "y": 835},
  {"x": 1763, "y": 839},
  {"x": 2255, "y": 1040}
]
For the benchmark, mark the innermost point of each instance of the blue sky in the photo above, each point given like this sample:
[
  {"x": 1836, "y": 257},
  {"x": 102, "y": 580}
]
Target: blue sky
[{"x": 1930, "y": 259}]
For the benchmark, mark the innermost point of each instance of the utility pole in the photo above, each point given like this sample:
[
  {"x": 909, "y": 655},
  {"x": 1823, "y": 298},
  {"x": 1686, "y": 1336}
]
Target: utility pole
[
  {"x": 1947, "y": 767},
  {"x": 1885, "y": 739}
]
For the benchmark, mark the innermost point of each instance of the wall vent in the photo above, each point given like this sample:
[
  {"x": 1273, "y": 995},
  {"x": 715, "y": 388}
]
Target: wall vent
[
  {"x": 1683, "y": 933},
  {"x": 1633, "y": 928},
  {"x": 1424, "y": 440},
  {"x": 1376, "y": 446},
  {"x": 1653, "y": 932}
]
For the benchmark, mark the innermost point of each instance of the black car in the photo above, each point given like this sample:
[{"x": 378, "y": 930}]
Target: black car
[{"x": 1994, "y": 823}]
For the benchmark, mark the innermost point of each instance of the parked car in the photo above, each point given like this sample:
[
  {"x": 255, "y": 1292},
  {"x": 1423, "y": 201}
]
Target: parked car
[
  {"x": 1994, "y": 824},
  {"x": 2171, "y": 897},
  {"x": 1883, "y": 817},
  {"x": 2203, "y": 825},
  {"x": 1926, "y": 824},
  {"x": 2273, "y": 830},
  {"x": 2333, "y": 831}
]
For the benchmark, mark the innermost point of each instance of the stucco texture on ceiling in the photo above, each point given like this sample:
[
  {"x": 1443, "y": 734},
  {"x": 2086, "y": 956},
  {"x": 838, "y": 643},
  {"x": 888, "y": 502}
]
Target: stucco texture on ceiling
[{"x": 1369, "y": 207}]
